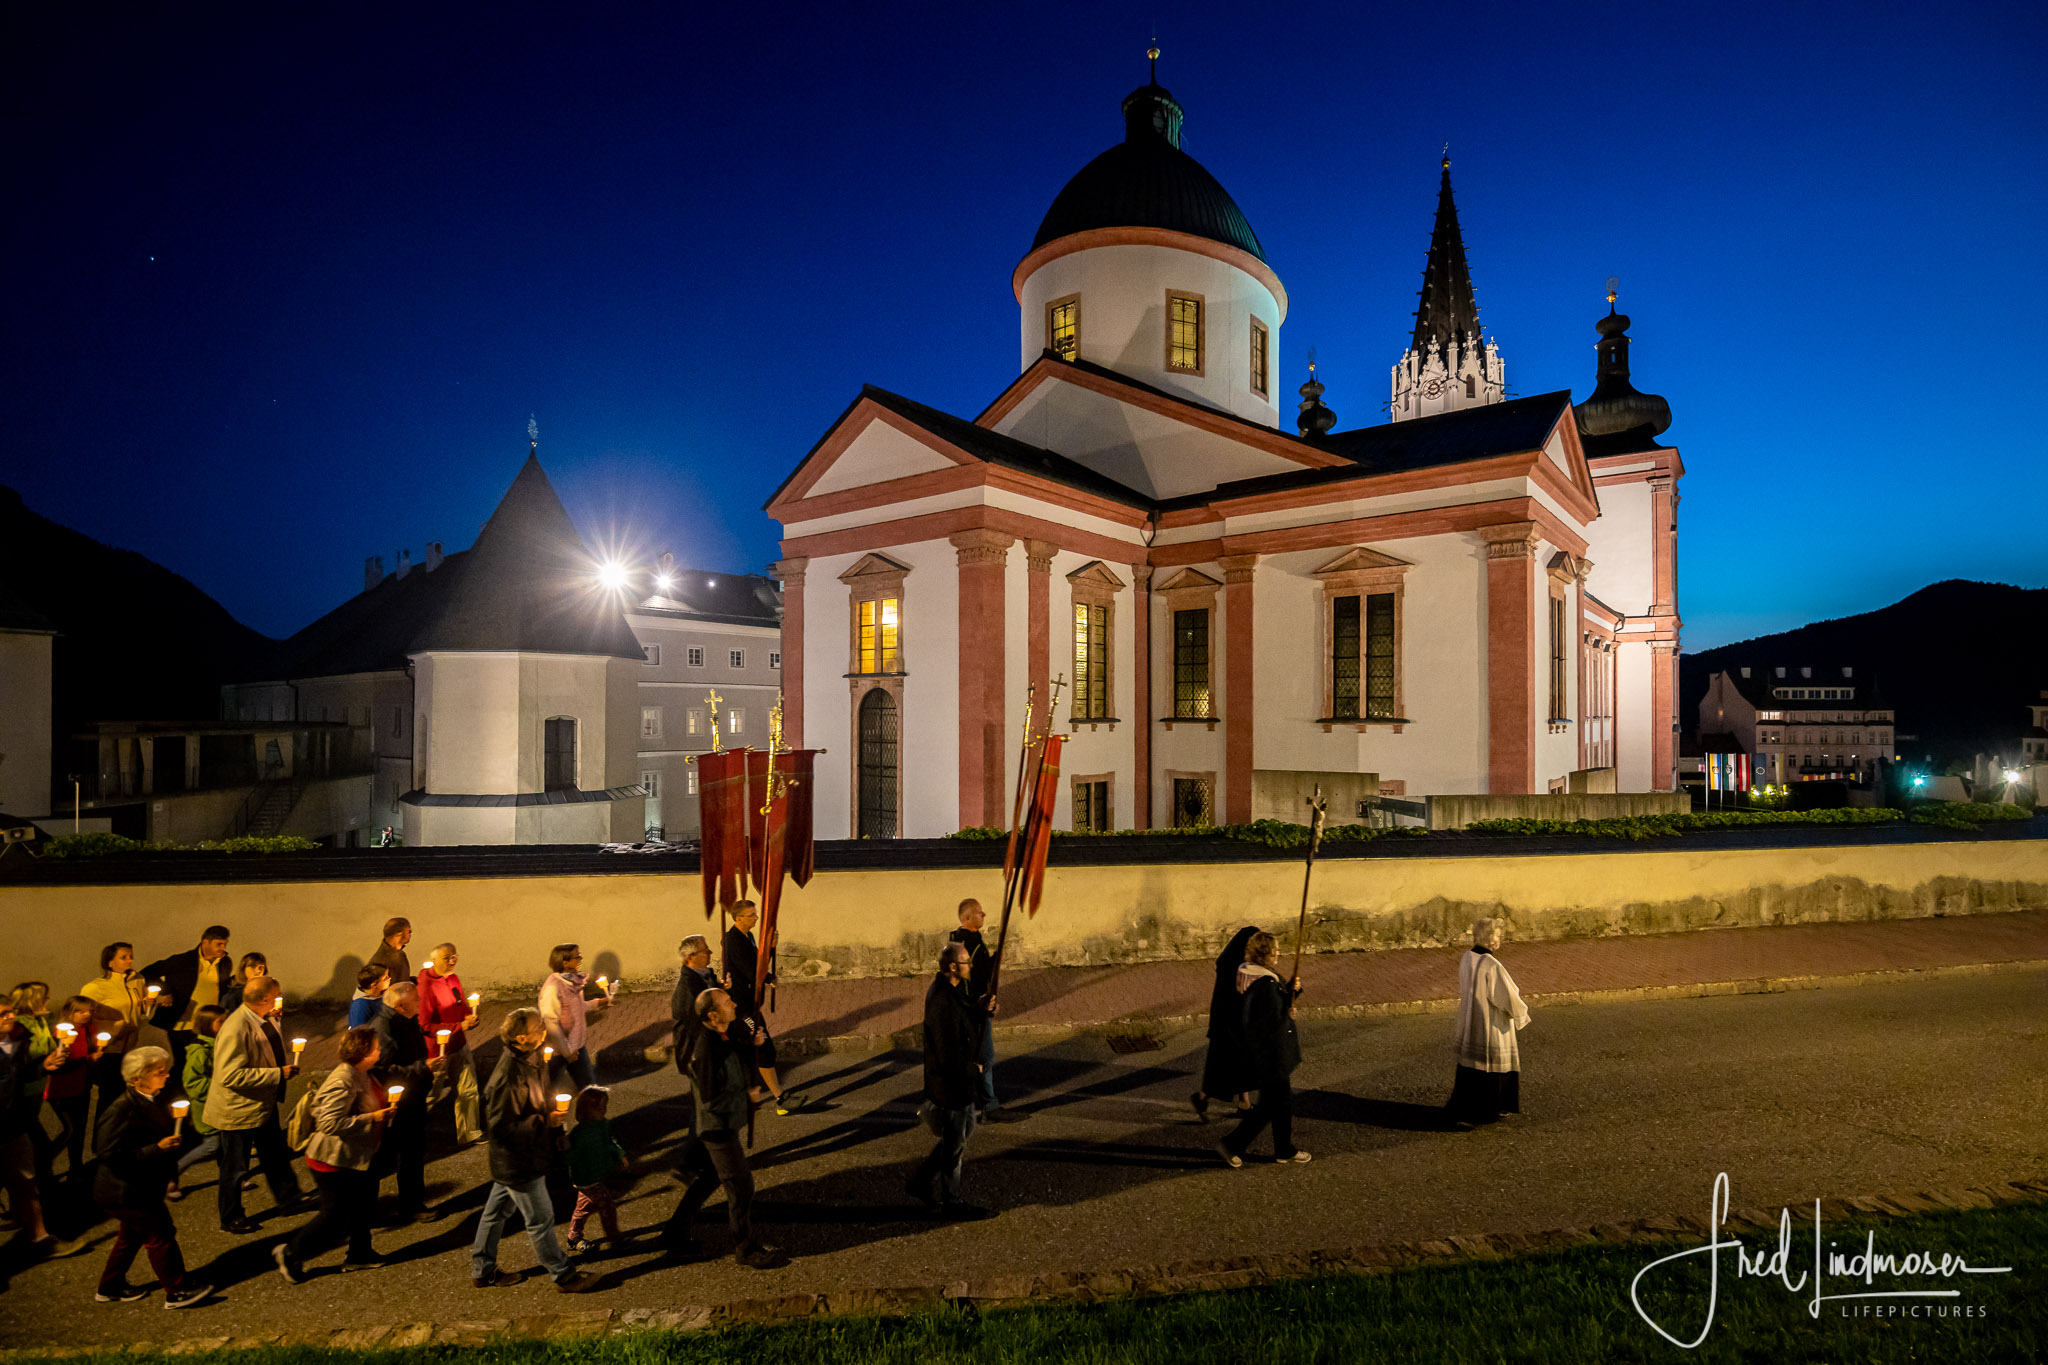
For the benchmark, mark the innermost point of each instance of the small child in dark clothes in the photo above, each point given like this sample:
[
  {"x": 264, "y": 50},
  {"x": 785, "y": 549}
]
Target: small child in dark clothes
[{"x": 594, "y": 1157}]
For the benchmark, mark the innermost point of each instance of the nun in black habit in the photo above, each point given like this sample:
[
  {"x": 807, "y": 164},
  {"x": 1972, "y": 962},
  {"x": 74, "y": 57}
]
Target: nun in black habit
[{"x": 1226, "y": 1071}]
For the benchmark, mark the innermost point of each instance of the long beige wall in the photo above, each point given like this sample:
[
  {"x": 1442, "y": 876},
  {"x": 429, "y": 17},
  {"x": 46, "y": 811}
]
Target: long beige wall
[{"x": 876, "y": 923}]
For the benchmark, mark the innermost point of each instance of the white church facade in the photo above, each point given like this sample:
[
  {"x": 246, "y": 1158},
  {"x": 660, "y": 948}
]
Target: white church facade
[{"x": 1478, "y": 596}]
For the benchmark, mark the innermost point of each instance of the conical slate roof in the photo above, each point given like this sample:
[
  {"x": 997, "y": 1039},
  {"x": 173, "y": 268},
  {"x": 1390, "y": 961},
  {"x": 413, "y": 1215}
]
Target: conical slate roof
[
  {"x": 1148, "y": 181},
  {"x": 1448, "y": 313},
  {"x": 529, "y": 584}
]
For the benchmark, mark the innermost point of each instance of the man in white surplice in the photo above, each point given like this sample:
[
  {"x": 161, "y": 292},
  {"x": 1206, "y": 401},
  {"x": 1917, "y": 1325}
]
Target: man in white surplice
[{"x": 1490, "y": 1013}]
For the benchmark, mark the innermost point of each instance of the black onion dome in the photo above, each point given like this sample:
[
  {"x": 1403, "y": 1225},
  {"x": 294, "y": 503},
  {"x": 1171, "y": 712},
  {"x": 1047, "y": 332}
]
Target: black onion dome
[
  {"x": 1616, "y": 405},
  {"x": 1148, "y": 181}
]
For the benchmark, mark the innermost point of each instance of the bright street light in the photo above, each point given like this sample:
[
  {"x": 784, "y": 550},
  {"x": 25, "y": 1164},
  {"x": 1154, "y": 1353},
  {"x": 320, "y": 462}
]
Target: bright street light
[{"x": 611, "y": 575}]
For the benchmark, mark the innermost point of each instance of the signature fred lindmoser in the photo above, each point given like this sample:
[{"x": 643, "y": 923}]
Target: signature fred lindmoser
[{"x": 1863, "y": 1267}]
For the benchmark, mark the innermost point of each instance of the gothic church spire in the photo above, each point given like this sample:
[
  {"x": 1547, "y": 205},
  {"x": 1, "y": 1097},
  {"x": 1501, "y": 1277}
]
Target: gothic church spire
[{"x": 1448, "y": 365}]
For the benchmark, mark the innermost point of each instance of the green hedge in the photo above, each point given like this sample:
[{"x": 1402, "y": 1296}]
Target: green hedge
[
  {"x": 1270, "y": 833},
  {"x": 117, "y": 846},
  {"x": 1966, "y": 814},
  {"x": 1666, "y": 826}
]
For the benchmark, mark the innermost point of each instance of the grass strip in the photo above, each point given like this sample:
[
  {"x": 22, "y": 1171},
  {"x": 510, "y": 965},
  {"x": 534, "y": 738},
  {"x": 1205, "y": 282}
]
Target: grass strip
[{"x": 1557, "y": 1306}]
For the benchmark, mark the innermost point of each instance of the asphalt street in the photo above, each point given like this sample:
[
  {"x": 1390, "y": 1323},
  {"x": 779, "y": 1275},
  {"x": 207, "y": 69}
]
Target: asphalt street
[{"x": 1631, "y": 1110}]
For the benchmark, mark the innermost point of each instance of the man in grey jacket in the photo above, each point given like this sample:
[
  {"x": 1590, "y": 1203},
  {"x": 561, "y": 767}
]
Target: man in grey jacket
[{"x": 250, "y": 1068}]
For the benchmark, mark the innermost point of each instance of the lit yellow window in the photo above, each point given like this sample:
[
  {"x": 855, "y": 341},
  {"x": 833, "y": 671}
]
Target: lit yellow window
[
  {"x": 1063, "y": 328},
  {"x": 1183, "y": 332},
  {"x": 878, "y": 632},
  {"x": 1091, "y": 661},
  {"x": 1258, "y": 357}
]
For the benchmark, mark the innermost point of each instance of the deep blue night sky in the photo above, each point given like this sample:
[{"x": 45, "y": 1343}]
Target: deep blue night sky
[{"x": 281, "y": 291}]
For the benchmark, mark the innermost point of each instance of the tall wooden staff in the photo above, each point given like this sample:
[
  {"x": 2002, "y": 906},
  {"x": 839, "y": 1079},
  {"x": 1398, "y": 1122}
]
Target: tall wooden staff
[
  {"x": 1016, "y": 861},
  {"x": 1319, "y": 809}
]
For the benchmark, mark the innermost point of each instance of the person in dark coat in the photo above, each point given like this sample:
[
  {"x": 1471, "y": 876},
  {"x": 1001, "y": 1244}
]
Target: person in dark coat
[
  {"x": 695, "y": 978},
  {"x": 1272, "y": 1052},
  {"x": 191, "y": 981},
  {"x": 981, "y": 969},
  {"x": 742, "y": 961},
  {"x": 402, "y": 1059},
  {"x": 1224, "y": 1069},
  {"x": 724, "y": 1088},
  {"x": 136, "y": 1147},
  {"x": 953, "y": 1026},
  {"x": 525, "y": 1133}
]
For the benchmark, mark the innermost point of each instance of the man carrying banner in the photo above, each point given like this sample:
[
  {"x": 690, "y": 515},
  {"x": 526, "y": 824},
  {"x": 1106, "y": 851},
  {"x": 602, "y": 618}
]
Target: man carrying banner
[
  {"x": 742, "y": 963},
  {"x": 720, "y": 1063},
  {"x": 980, "y": 966}
]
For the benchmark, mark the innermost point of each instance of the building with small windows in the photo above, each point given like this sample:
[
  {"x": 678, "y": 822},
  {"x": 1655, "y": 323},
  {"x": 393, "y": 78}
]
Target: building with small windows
[
  {"x": 2034, "y": 738},
  {"x": 713, "y": 647},
  {"x": 1800, "y": 723},
  {"x": 1477, "y": 596}
]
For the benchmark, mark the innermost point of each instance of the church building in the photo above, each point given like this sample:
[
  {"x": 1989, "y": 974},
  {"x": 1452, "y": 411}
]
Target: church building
[{"x": 1477, "y": 596}]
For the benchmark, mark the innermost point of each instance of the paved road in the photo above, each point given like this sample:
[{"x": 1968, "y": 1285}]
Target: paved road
[{"x": 1632, "y": 1110}]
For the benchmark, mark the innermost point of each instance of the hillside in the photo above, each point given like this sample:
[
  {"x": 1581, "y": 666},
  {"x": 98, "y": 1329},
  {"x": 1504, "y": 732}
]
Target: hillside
[
  {"x": 135, "y": 641},
  {"x": 1957, "y": 660}
]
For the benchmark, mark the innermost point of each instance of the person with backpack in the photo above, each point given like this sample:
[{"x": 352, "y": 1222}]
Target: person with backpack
[
  {"x": 349, "y": 1113},
  {"x": 198, "y": 1079}
]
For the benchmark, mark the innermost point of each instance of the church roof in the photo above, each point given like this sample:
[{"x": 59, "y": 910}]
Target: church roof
[
  {"x": 1480, "y": 433},
  {"x": 997, "y": 448},
  {"x": 1448, "y": 313},
  {"x": 728, "y": 599},
  {"x": 528, "y": 585},
  {"x": 1148, "y": 181},
  {"x": 521, "y": 587}
]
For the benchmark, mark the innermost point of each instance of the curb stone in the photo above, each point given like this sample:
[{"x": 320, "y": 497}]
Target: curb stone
[{"x": 1004, "y": 1291}]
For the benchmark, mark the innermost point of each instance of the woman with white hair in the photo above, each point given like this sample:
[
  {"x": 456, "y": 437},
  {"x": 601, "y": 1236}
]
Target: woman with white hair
[
  {"x": 1490, "y": 1013},
  {"x": 136, "y": 1144}
]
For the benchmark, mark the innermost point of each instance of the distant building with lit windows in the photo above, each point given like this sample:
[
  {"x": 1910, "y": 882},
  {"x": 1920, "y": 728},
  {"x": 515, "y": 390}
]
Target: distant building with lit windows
[
  {"x": 1801, "y": 723},
  {"x": 1477, "y": 596}
]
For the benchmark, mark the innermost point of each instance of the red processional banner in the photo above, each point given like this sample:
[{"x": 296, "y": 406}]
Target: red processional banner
[
  {"x": 1037, "y": 836},
  {"x": 722, "y": 793},
  {"x": 780, "y": 841}
]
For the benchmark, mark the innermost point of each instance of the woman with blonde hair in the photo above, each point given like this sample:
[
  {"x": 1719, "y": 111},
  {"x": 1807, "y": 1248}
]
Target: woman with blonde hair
[
  {"x": 1490, "y": 1013},
  {"x": 136, "y": 1151},
  {"x": 120, "y": 1002}
]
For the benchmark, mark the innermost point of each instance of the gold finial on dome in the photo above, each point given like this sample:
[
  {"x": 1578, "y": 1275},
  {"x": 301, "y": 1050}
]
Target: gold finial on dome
[
  {"x": 1152, "y": 56},
  {"x": 1613, "y": 289},
  {"x": 1447, "y": 156}
]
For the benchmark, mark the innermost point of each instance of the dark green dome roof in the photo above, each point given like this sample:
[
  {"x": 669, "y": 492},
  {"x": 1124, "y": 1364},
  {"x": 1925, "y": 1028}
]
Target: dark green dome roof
[{"x": 1148, "y": 181}]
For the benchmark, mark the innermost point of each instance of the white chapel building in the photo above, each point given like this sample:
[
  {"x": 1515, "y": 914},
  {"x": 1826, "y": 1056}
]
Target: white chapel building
[{"x": 1478, "y": 596}]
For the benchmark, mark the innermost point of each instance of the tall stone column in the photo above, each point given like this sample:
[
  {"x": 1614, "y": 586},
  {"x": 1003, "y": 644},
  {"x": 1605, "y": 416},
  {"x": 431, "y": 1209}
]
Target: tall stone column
[
  {"x": 1038, "y": 623},
  {"x": 790, "y": 573},
  {"x": 1663, "y": 546},
  {"x": 1141, "y": 696},
  {"x": 983, "y": 556},
  {"x": 1582, "y": 569},
  {"x": 1510, "y": 657},
  {"x": 1240, "y": 705},
  {"x": 1663, "y": 715}
]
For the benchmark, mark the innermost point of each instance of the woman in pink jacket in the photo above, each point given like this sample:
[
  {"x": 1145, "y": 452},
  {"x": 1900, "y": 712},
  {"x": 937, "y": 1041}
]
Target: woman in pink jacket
[{"x": 564, "y": 1010}]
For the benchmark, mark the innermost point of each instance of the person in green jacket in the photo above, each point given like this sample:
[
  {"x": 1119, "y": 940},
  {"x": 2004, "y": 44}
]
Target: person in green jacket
[
  {"x": 198, "y": 1079},
  {"x": 594, "y": 1157}
]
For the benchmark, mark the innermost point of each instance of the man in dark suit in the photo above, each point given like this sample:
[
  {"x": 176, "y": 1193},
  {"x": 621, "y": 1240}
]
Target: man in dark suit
[
  {"x": 981, "y": 966},
  {"x": 953, "y": 1026},
  {"x": 742, "y": 962},
  {"x": 695, "y": 978},
  {"x": 191, "y": 981}
]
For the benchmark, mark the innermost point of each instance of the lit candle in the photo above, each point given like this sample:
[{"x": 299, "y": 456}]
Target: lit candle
[
  {"x": 441, "y": 1036},
  {"x": 395, "y": 1092},
  {"x": 604, "y": 984},
  {"x": 178, "y": 1108},
  {"x": 474, "y": 998},
  {"x": 155, "y": 991},
  {"x": 561, "y": 1104},
  {"x": 298, "y": 1046},
  {"x": 547, "y": 1052},
  {"x": 104, "y": 1038},
  {"x": 67, "y": 1030}
]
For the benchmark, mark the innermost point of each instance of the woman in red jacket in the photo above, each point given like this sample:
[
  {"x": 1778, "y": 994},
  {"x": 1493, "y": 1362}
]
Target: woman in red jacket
[{"x": 444, "y": 1006}]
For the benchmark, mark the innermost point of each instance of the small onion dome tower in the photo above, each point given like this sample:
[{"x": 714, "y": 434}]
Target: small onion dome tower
[
  {"x": 1616, "y": 408},
  {"x": 1145, "y": 265},
  {"x": 1315, "y": 419}
]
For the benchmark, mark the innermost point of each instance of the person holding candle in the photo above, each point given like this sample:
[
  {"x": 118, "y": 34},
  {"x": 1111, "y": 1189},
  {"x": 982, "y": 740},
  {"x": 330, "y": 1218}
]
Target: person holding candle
[
  {"x": 31, "y": 1001},
  {"x": 565, "y": 1011},
  {"x": 198, "y": 1079},
  {"x": 350, "y": 1111},
  {"x": 120, "y": 1000},
  {"x": 252, "y": 967},
  {"x": 525, "y": 1133},
  {"x": 443, "y": 1006},
  {"x": 408, "y": 1062},
  {"x": 135, "y": 1145},
  {"x": 249, "y": 1075},
  {"x": 67, "y": 1088},
  {"x": 191, "y": 981},
  {"x": 21, "y": 1103}
]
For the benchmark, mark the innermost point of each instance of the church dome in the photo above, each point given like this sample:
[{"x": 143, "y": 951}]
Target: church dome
[{"x": 1147, "y": 181}]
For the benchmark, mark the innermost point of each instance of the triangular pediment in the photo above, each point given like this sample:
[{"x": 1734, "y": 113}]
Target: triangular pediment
[
  {"x": 1360, "y": 558},
  {"x": 875, "y": 566},
  {"x": 1188, "y": 578},
  {"x": 1097, "y": 573},
  {"x": 869, "y": 446}
]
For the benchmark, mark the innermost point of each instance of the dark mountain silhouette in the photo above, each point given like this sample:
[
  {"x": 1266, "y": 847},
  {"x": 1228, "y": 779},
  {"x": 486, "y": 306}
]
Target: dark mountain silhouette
[
  {"x": 1958, "y": 661},
  {"x": 134, "y": 640}
]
